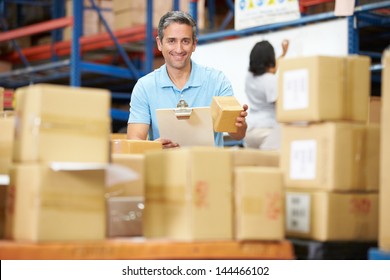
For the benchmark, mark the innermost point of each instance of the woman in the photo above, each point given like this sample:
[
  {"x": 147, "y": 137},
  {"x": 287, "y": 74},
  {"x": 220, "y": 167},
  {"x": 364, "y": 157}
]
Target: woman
[{"x": 261, "y": 90}]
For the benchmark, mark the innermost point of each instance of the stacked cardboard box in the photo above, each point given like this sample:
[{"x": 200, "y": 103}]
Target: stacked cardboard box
[
  {"x": 329, "y": 155},
  {"x": 132, "y": 13},
  {"x": 92, "y": 24},
  {"x": 45, "y": 203},
  {"x": 7, "y": 123},
  {"x": 210, "y": 193},
  {"x": 384, "y": 224},
  {"x": 125, "y": 200}
]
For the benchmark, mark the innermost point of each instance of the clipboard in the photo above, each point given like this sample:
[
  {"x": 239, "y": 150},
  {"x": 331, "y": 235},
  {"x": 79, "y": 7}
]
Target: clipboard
[{"x": 195, "y": 129}]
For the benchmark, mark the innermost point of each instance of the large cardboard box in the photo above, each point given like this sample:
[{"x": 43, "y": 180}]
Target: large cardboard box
[
  {"x": 48, "y": 205},
  {"x": 62, "y": 123},
  {"x": 7, "y": 131},
  {"x": 331, "y": 156},
  {"x": 323, "y": 88},
  {"x": 254, "y": 157},
  {"x": 188, "y": 194},
  {"x": 224, "y": 111},
  {"x": 384, "y": 210},
  {"x": 331, "y": 216},
  {"x": 135, "y": 162},
  {"x": 259, "y": 203},
  {"x": 124, "y": 216}
]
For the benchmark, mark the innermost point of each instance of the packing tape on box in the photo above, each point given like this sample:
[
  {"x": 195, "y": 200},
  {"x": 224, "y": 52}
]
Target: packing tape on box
[
  {"x": 162, "y": 194},
  {"x": 66, "y": 201},
  {"x": 54, "y": 123}
]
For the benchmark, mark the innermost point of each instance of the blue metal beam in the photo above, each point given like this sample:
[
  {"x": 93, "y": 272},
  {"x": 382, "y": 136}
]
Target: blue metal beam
[
  {"x": 303, "y": 20},
  {"x": 107, "y": 70},
  {"x": 121, "y": 115},
  {"x": 150, "y": 40},
  {"x": 75, "y": 57}
]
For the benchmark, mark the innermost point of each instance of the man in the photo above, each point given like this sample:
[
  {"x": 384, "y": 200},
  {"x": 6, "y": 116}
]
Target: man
[{"x": 179, "y": 78}]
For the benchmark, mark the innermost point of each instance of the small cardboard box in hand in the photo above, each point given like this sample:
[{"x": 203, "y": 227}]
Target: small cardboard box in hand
[{"x": 225, "y": 110}]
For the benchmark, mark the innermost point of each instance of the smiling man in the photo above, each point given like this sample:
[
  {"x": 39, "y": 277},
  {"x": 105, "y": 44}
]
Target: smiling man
[{"x": 179, "y": 78}]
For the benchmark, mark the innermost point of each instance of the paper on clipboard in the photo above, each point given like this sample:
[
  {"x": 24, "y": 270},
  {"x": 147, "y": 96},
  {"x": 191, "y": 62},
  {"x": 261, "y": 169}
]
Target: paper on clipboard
[{"x": 197, "y": 130}]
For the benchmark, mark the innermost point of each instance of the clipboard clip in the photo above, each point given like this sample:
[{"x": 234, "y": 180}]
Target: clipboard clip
[{"x": 182, "y": 111}]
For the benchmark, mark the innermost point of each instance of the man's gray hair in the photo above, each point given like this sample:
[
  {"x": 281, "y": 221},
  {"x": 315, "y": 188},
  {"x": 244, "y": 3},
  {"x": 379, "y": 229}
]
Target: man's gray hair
[{"x": 176, "y": 17}]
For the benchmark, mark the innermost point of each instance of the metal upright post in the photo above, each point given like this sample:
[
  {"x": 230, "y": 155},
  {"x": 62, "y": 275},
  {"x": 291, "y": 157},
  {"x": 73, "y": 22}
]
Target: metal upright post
[
  {"x": 194, "y": 11},
  {"x": 176, "y": 5},
  {"x": 353, "y": 35},
  {"x": 148, "y": 64},
  {"x": 75, "y": 56}
]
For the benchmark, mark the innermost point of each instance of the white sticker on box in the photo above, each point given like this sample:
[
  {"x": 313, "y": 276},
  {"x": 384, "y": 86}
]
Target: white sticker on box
[
  {"x": 295, "y": 89},
  {"x": 298, "y": 212},
  {"x": 303, "y": 160}
]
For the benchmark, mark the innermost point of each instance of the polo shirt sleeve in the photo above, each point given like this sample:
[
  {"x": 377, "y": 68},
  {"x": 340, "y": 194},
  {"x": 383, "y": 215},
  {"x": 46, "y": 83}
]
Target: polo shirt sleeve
[
  {"x": 139, "y": 105},
  {"x": 226, "y": 88}
]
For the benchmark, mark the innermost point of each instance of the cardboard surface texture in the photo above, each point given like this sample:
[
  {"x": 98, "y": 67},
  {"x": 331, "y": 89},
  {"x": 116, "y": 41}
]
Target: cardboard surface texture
[
  {"x": 53, "y": 124},
  {"x": 330, "y": 216},
  {"x": 188, "y": 194},
  {"x": 323, "y": 88},
  {"x": 224, "y": 111},
  {"x": 47, "y": 205},
  {"x": 331, "y": 156},
  {"x": 259, "y": 203}
]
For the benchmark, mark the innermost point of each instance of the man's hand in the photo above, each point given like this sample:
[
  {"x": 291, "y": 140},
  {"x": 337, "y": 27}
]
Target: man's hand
[
  {"x": 167, "y": 144},
  {"x": 240, "y": 124}
]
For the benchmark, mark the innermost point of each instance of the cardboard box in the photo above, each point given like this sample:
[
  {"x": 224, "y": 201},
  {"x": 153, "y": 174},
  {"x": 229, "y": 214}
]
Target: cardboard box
[
  {"x": 91, "y": 22},
  {"x": 188, "y": 194},
  {"x": 7, "y": 128},
  {"x": 330, "y": 216},
  {"x": 118, "y": 136},
  {"x": 255, "y": 157},
  {"x": 61, "y": 123},
  {"x": 384, "y": 210},
  {"x": 259, "y": 203},
  {"x": 124, "y": 218},
  {"x": 130, "y": 13},
  {"x": 323, "y": 88},
  {"x": 126, "y": 146},
  {"x": 331, "y": 156},
  {"x": 135, "y": 162},
  {"x": 224, "y": 111},
  {"x": 47, "y": 205},
  {"x": 375, "y": 109}
]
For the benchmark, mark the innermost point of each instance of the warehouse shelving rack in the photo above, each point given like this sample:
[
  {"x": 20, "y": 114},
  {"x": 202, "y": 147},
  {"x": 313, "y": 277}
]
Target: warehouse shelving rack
[{"x": 67, "y": 62}]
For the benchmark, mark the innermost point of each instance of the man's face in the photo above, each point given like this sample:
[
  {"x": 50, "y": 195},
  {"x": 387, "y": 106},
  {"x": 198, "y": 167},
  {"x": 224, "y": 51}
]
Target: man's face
[{"x": 177, "y": 45}]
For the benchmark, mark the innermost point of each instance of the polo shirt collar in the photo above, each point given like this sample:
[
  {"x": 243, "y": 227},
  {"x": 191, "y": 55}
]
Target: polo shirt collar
[{"x": 194, "y": 81}]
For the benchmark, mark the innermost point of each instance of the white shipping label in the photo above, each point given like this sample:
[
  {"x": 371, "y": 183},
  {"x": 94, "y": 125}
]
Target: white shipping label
[
  {"x": 298, "y": 212},
  {"x": 303, "y": 160},
  {"x": 295, "y": 89}
]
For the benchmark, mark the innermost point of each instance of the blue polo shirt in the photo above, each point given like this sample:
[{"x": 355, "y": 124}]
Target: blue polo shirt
[{"x": 156, "y": 91}]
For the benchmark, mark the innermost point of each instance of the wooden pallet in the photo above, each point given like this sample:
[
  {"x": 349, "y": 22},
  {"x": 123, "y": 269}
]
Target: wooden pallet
[{"x": 131, "y": 249}]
